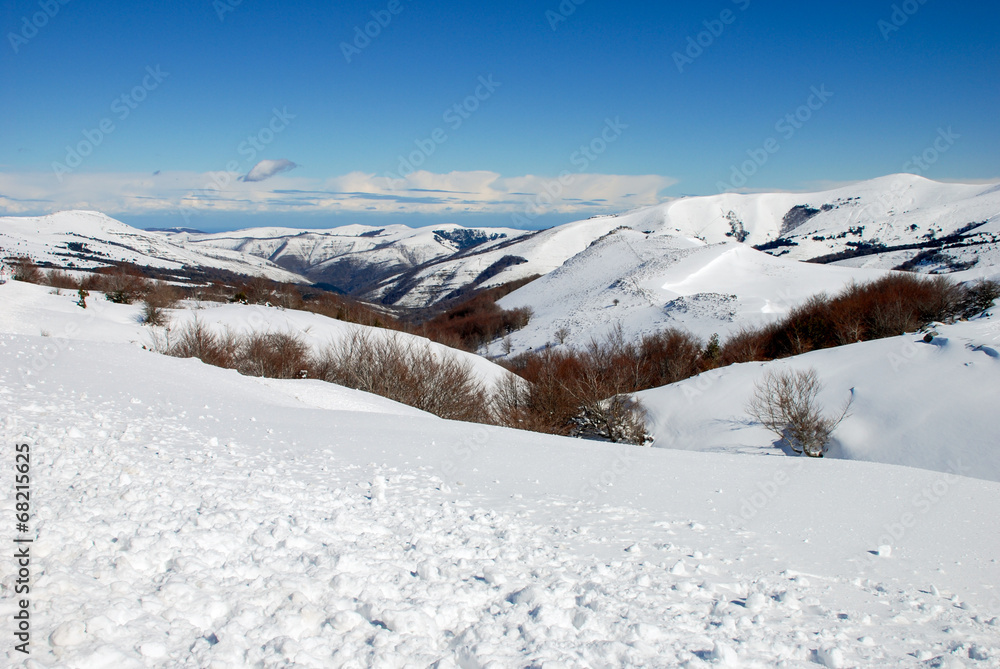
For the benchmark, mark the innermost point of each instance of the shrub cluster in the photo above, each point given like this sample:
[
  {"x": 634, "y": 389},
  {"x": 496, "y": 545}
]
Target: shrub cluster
[
  {"x": 477, "y": 320},
  {"x": 23, "y": 268},
  {"x": 589, "y": 392},
  {"x": 885, "y": 307},
  {"x": 385, "y": 364}
]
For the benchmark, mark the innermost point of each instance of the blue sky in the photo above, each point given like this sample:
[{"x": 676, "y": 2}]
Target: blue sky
[{"x": 629, "y": 103}]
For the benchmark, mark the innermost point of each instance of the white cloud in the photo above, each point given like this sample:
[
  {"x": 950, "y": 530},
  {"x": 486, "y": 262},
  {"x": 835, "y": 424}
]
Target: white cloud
[
  {"x": 266, "y": 169},
  {"x": 421, "y": 192}
]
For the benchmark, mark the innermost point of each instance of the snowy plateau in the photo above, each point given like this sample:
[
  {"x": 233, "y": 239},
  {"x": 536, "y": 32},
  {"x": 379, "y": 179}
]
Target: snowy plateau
[{"x": 184, "y": 515}]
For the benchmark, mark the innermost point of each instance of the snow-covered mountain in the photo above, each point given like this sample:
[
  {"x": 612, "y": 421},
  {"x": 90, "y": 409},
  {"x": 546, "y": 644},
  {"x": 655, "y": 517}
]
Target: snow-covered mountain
[
  {"x": 88, "y": 239},
  {"x": 355, "y": 259},
  {"x": 680, "y": 265},
  {"x": 646, "y": 283},
  {"x": 893, "y": 221},
  {"x": 184, "y": 515},
  {"x": 881, "y": 223}
]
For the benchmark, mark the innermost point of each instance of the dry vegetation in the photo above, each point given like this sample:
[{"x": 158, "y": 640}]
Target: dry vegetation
[
  {"x": 556, "y": 390},
  {"x": 785, "y": 403},
  {"x": 568, "y": 389}
]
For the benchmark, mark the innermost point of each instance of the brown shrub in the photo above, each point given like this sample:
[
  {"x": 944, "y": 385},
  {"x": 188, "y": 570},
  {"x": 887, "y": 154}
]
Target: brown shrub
[
  {"x": 478, "y": 320},
  {"x": 159, "y": 296},
  {"x": 407, "y": 372},
  {"x": 275, "y": 355},
  {"x": 24, "y": 269},
  {"x": 669, "y": 356},
  {"x": 195, "y": 340},
  {"x": 57, "y": 278},
  {"x": 121, "y": 285}
]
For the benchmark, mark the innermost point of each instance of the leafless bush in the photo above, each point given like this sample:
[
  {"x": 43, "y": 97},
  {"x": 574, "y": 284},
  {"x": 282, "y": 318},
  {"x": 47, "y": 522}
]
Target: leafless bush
[
  {"x": 23, "y": 268},
  {"x": 122, "y": 286},
  {"x": 275, "y": 355},
  {"x": 618, "y": 419},
  {"x": 406, "y": 372},
  {"x": 195, "y": 340},
  {"x": 57, "y": 278},
  {"x": 978, "y": 297},
  {"x": 159, "y": 296},
  {"x": 785, "y": 403}
]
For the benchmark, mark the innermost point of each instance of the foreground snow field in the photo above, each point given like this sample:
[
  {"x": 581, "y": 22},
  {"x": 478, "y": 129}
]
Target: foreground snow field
[{"x": 187, "y": 516}]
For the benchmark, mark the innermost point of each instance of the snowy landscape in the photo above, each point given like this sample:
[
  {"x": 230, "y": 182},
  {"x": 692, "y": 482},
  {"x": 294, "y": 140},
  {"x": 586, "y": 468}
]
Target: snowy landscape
[
  {"x": 516, "y": 335},
  {"x": 185, "y": 514}
]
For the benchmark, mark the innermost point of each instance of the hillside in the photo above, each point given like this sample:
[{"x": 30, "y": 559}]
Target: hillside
[
  {"x": 895, "y": 221},
  {"x": 186, "y": 515},
  {"x": 646, "y": 283},
  {"x": 920, "y": 404},
  {"x": 88, "y": 239}
]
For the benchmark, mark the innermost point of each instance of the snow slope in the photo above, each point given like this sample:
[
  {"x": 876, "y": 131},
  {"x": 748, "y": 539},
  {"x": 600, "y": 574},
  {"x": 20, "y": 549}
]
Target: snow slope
[
  {"x": 85, "y": 239},
  {"x": 892, "y": 210},
  {"x": 353, "y": 257},
  {"x": 895, "y": 210},
  {"x": 929, "y": 405},
  {"x": 188, "y": 516},
  {"x": 946, "y": 226},
  {"x": 647, "y": 283},
  {"x": 30, "y": 309}
]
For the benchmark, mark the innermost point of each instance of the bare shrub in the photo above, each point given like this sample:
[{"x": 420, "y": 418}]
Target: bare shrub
[
  {"x": 122, "y": 286},
  {"x": 785, "y": 403},
  {"x": 275, "y": 355},
  {"x": 23, "y": 268},
  {"x": 407, "y": 372},
  {"x": 195, "y": 340},
  {"x": 57, "y": 278},
  {"x": 978, "y": 297},
  {"x": 159, "y": 296},
  {"x": 618, "y": 419},
  {"x": 669, "y": 356},
  {"x": 577, "y": 393}
]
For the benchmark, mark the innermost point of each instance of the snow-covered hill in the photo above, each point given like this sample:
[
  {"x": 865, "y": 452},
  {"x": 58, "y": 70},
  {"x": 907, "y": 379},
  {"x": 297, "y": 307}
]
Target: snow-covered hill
[
  {"x": 946, "y": 227},
  {"x": 184, "y": 515},
  {"x": 646, "y": 283},
  {"x": 881, "y": 224},
  {"x": 942, "y": 227},
  {"x": 352, "y": 258},
  {"x": 30, "y": 309},
  {"x": 88, "y": 239},
  {"x": 930, "y": 405}
]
